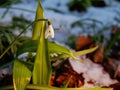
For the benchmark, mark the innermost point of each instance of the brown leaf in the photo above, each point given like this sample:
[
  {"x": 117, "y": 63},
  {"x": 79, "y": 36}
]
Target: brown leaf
[
  {"x": 98, "y": 55},
  {"x": 83, "y": 41}
]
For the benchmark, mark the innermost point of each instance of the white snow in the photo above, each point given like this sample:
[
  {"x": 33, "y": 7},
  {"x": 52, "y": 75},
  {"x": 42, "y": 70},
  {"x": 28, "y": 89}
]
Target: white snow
[{"x": 91, "y": 72}]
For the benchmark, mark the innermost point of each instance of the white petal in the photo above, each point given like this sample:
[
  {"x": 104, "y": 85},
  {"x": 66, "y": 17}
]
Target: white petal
[{"x": 49, "y": 32}]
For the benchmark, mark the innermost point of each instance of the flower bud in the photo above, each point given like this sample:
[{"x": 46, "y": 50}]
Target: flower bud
[{"x": 49, "y": 31}]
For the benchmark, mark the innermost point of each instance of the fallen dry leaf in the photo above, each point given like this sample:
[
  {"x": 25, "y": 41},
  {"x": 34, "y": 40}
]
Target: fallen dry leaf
[{"x": 83, "y": 41}]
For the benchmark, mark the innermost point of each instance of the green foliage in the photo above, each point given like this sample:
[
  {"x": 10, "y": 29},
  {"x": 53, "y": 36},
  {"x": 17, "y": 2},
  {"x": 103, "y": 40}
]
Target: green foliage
[
  {"x": 38, "y": 25},
  {"x": 42, "y": 66},
  {"x": 79, "y": 5},
  {"x": 31, "y": 46},
  {"x": 6, "y": 38},
  {"x": 83, "y": 52},
  {"x": 111, "y": 43},
  {"x": 9, "y": 43},
  {"x": 21, "y": 74},
  {"x": 82, "y": 5}
]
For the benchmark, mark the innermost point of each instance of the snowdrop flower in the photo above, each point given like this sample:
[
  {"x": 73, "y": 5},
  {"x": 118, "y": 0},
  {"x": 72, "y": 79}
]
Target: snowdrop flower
[{"x": 49, "y": 31}]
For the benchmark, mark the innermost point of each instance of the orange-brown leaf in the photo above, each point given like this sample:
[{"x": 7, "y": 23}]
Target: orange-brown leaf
[{"x": 83, "y": 41}]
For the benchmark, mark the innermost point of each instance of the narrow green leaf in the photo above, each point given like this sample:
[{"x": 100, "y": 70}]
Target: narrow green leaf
[
  {"x": 5, "y": 12},
  {"x": 67, "y": 82},
  {"x": 13, "y": 42},
  {"x": 21, "y": 75},
  {"x": 31, "y": 46},
  {"x": 37, "y": 25},
  {"x": 55, "y": 48},
  {"x": 42, "y": 66},
  {"x": 83, "y": 52}
]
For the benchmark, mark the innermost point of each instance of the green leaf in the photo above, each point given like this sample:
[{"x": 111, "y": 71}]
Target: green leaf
[
  {"x": 21, "y": 74},
  {"x": 31, "y": 46},
  {"x": 83, "y": 52},
  {"x": 55, "y": 48},
  {"x": 67, "y": 82},
  {"x": 42, "y": 66},
  {"x": 37, "y": 25}
]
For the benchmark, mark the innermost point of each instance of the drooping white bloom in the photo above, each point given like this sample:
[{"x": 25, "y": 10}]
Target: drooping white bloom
[{"x": 49, "y": 32}]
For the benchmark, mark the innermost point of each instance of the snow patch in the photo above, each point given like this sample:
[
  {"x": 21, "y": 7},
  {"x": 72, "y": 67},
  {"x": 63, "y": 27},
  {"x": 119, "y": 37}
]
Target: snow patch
[{"x": 92, "y": 72}]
